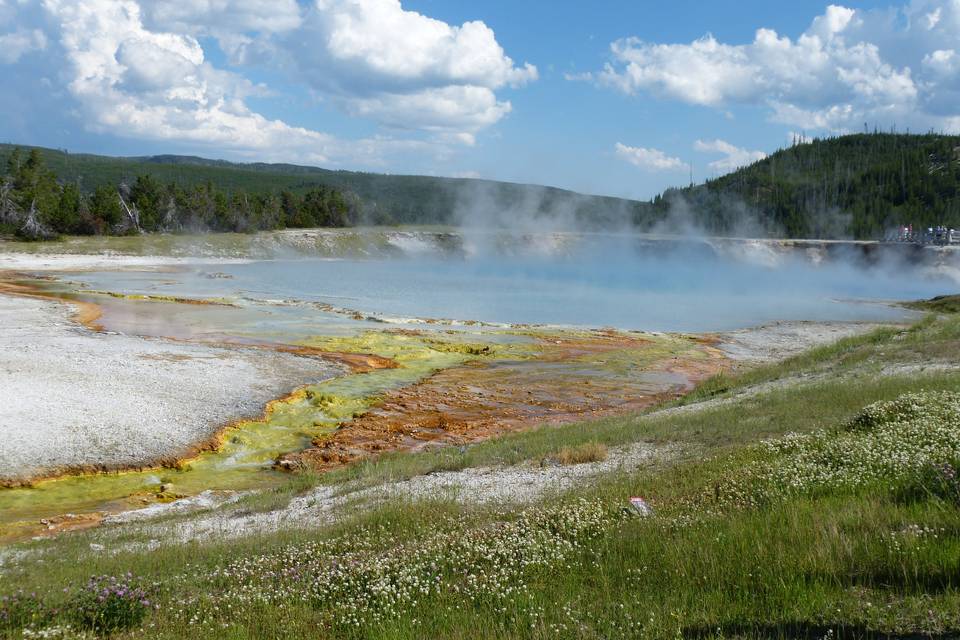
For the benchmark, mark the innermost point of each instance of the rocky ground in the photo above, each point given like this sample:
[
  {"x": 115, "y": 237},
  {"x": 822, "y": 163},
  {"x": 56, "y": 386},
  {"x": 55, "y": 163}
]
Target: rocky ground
[
  {"x": 779, "y": 340},
  {"x": 215, "y": 517}
]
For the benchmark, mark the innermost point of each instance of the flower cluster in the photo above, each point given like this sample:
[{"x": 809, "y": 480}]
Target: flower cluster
[
  {"x": 912, "y": 538},
  {"x": 888, "y": 443},
  {"x": 361, "y": 581},
  {"x": 110, "y": 603},
  {"x": 56, "y": 632}
]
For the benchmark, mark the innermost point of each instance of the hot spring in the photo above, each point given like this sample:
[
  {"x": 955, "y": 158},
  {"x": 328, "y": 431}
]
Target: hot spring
[
  {"x": 571, "y": 280},
  {"x": 430, "y": 339}
]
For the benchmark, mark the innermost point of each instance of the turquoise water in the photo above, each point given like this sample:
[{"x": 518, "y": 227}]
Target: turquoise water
[{"x": 603, "y": 284}]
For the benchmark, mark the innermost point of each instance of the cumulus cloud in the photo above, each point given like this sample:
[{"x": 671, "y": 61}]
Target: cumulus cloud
[
  {"x": 733, "y": 157},
  {"x": 402, "y": 68},
  {"x": 848, "y": 67},
  {"x": 455, "y": 112},
  {"x": 372, "y": 58},
  {"x": 942, "y": 63},
  {"x": 157, "y": 85},
  {"x": 646, "y": 158},
  {"x": 242, "y": 28},
  {"x": 221, "y": 16},
  {"x": 139, "y": 69}
]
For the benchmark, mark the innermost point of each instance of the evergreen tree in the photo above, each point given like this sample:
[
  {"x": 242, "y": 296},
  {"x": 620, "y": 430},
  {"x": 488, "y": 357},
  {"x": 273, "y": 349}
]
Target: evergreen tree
[
  {"x": 66, "y": 218},
  {"x": 147, "y": 195},
  {"x": 105, "y": 209}
]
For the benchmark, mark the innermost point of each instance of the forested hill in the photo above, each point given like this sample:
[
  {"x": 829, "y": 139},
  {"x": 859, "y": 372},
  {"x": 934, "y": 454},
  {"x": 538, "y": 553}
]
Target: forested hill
[
  {"x": 856, "y": 186},
  {"x": 381, "y": 198}
]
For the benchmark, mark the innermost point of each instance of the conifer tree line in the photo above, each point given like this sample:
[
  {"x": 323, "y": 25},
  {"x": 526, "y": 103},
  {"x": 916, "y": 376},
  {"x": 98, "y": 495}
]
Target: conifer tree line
[
  {"x": 35, "y": 205},
  {"x": 854, "y": 186}
]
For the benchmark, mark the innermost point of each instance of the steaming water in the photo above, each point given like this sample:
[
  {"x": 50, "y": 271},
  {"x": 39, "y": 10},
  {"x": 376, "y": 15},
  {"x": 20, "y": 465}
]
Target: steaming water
[{"x": 598, "y": 285}]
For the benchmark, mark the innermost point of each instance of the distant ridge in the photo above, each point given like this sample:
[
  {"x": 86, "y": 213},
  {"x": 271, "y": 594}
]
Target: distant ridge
[
  {"x": 854, "y": 186},
  {"x": 407, "y": 199}
]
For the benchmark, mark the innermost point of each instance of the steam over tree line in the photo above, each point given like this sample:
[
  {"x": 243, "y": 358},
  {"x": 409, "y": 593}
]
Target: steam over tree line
[
  {"x": 853, "y": 186},
  {"x": 35, "y": 205}
]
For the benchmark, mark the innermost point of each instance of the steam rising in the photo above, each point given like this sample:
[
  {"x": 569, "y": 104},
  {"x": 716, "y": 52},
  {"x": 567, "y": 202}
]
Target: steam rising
[
  {"x": 538, "y": 255},
  {"x": 589, "y": 279}
]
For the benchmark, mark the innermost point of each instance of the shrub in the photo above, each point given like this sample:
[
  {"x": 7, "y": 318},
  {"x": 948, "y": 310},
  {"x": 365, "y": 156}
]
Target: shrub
[
  {"x": 586, "y": 452},
  {"x": 108, "y": 604}
]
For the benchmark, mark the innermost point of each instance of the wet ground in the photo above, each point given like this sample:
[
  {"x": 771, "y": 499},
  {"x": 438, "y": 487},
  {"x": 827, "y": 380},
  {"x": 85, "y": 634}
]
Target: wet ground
[
  {"x": 431, "y": 351},
  {"x": 402, "y": 388},
  {"x": 573, "y": 376}
]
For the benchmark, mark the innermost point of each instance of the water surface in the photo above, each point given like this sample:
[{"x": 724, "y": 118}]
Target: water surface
[{"x": 607, "y": 284}]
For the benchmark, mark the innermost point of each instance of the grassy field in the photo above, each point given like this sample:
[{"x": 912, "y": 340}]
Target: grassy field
[{"x": 797, "y": 508}]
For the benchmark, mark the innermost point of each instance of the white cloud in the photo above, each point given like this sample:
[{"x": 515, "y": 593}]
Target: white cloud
[
  {"x": 454, "y": 110},
  {"x": 733, "y": 157},
  {"x": 133, "y": 82},
  {"x": 848, "y": 67},
  {"x": 137, "y": 68},
  {"x": 157, "y": 85},
  {"x": 220, "y": 16},
  {"x": 402, "y": 68},
  {"x": 242, "y": 28},
  {"x": 648, "y": 158},
  {"x": 378, "y": 38},
  {"x": 371, "y": 58},
  {"x": 942, "y": 63},
  {"x": 20, "y": 42}
]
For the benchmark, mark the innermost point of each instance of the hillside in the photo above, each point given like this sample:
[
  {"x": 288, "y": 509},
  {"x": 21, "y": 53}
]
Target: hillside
[
  {"x": 856, "y": 186},
  {"x": 400, "y": 199}
]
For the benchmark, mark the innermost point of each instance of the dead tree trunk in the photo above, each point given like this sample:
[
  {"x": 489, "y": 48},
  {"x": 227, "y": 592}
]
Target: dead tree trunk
[
  {"x": 32, "y": 228},
  {"x": 9, "y": 211},
  {"x": 133, "y": 214}
]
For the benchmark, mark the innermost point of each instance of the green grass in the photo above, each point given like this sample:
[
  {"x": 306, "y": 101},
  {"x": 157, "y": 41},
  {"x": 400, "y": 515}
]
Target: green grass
[
  {"x": 939, "y": 304},
  {"x": 870, "y": 560}
]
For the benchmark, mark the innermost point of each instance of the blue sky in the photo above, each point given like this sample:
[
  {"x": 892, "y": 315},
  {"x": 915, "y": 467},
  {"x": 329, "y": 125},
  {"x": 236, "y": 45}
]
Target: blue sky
[{"x": 621, "y": 98}]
